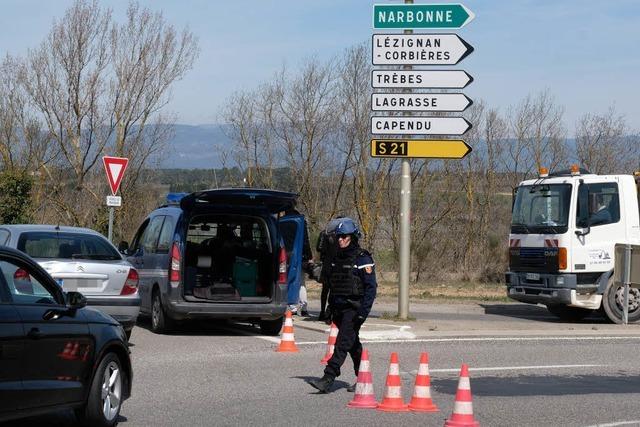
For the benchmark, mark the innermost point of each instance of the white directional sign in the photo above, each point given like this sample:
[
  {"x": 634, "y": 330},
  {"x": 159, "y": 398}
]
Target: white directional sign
[
  {"x": 419, "y": 125},
  {"x": 419, "y": 49},
  {"x": 420, "y": 79},
  {"x": 419, "y": 102}
]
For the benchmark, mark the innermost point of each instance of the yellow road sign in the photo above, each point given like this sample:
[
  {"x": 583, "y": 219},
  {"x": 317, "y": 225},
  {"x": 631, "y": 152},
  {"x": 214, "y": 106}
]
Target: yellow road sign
[{"x": 425, "y": 148}]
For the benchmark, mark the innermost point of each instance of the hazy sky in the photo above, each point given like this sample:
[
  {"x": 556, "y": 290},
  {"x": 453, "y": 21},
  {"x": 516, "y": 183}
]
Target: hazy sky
[{"x": 584, "y": 51}]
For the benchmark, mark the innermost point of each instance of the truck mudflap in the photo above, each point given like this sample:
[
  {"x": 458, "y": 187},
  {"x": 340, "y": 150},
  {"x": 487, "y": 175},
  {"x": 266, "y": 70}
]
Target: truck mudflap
[{"x": 539, "y": 288}]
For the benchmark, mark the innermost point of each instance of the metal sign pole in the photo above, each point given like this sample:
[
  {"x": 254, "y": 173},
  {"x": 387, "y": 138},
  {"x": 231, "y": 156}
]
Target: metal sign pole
[
  {"x": 405, "y": 234},
  {"x": 110, "y": 223}
]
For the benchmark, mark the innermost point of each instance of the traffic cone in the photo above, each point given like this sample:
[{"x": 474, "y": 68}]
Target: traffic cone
[
  {"x": 392, "y": 401},
  {"x": 421, "y": 400},
  {"x": 364, "y": 396},
  {"x": 66, "y": 353},
  {"x": 331, "y": 344},
  {"x": 287, "y": 341},
  {"x": 462, "y": 415}
]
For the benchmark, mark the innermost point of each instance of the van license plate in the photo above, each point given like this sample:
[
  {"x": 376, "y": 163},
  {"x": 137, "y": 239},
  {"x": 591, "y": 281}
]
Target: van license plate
[{"x": 533, "y": 276}]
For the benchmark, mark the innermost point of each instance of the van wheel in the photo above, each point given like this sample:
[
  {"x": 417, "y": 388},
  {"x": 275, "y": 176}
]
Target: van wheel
[
  {"x": 271, "y": 327},
  {"x": 160, "y": 321},
  {"x": 613, "y": 302},
  {"x": 105, "y": 396},
  {"x": 571, "y": 314}
]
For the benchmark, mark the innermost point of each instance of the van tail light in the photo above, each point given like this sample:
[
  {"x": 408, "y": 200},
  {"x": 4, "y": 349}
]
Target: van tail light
[
  {"x": 174, "y": 269},
  {"x": 562, "y": 258},
  {"x": 131, "y": 284},
  {"x": 282, "y": 267}
]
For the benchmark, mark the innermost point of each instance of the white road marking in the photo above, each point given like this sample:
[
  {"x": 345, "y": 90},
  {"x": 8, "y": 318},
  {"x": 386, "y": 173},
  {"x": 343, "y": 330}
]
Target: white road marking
[
  {"x": 474, "y": 339},
  {"x": 620, "y": 423},
  {"x": 516, "y": 368},
  {"x": 250, "y": 334},
  {"x": 392, "y": 335}
]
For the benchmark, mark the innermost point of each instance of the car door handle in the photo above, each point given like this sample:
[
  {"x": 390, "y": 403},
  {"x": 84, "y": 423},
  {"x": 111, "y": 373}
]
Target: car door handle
[{"x": 35, "y": 334}]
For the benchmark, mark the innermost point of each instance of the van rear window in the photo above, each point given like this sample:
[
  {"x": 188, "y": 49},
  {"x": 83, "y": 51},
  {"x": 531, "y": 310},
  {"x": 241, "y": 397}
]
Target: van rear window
[
  {"x": 246, "y": 231},
  {"x": 44, "y": 244}
]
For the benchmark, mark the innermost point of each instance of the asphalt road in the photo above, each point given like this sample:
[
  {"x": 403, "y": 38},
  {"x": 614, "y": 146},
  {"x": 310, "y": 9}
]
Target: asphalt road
[{"x": 527, "y": 369}]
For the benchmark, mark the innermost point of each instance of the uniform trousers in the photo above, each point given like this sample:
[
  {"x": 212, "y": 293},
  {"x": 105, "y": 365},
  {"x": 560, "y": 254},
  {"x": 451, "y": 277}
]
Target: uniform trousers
[{"x": 347, "y": 341}]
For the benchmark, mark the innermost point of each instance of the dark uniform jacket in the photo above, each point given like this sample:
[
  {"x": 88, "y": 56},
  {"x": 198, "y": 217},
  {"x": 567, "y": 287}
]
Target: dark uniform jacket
[{"x": 363, "y": 270}]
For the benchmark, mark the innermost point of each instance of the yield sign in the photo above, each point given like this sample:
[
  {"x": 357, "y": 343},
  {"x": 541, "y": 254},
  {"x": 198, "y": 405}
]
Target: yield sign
[{"x": 115, "y": 167}]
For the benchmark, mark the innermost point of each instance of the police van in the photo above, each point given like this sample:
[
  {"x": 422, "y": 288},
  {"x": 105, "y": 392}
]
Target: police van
[{"x": 225, "y": 253}]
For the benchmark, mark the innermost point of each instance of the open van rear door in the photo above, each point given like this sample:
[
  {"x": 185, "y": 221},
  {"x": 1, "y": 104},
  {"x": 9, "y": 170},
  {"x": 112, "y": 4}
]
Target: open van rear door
[
  {"x": 292, "y": 230},
  {"x": 272, "y": 200}
]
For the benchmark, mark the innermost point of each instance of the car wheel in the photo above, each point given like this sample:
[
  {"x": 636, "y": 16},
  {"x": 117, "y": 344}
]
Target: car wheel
[
  {"x": 271, "y": 327},
  {"x": 571, "y": 314},
  {"x": 160, "y": 322},
  {"x": 105, "y": 396},
  {"x": 613, "y": 302}
]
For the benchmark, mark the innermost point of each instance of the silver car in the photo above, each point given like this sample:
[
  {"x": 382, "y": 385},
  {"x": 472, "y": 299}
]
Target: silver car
[{"x": 81, "y": 260}]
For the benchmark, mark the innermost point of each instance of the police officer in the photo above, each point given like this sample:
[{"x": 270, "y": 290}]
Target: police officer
[
  {"x": 353, "y": 286},
  {"x": 326, "y": 247}
]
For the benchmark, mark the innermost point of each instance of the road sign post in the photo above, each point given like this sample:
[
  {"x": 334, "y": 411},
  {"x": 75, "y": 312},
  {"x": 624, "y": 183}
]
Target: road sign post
[
  {"x": 407, "y": 50},
  {"x": 115, "y": 168}
]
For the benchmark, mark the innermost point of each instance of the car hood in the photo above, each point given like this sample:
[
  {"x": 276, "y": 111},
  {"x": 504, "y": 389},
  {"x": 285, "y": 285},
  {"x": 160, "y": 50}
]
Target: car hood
[{"x": 95, "y": 316}]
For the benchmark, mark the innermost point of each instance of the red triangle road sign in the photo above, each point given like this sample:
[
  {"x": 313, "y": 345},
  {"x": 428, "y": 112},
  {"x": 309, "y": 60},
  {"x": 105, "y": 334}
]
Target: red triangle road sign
[{"x": 115, "y": 167}]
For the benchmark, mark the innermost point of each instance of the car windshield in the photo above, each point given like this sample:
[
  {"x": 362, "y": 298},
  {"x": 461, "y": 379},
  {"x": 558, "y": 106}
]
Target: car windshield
[
  {"x": 541, "y": 209},
  {"x": 60, "y": 245}
]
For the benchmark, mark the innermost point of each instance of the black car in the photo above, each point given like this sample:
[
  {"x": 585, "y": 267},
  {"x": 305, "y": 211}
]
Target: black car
[{"x": 55, "y": 353}]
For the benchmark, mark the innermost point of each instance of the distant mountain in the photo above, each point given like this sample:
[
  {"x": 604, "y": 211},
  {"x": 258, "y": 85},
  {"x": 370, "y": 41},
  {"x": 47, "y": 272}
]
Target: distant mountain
[{"x": 196, "y": 147}]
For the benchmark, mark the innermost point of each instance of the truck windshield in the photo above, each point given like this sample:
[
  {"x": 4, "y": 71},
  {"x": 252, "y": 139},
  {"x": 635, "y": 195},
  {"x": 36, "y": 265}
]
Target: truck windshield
[{"x": 541, "y": 209}]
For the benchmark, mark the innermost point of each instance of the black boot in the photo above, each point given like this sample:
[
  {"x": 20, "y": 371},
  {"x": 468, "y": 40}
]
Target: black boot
[
  {"x": 322, "y": 316},
  {"x": 352, "y": 387},
  {"x": 322, "y": 384}
]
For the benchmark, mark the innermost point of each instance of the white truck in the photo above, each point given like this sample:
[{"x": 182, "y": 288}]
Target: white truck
[{"x": 564, "y": 228}]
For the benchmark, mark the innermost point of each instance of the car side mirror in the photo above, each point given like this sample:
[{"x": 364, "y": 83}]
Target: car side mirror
[
  {"x": 75, "y": 300},
  {"x": 123, "y": 247}
]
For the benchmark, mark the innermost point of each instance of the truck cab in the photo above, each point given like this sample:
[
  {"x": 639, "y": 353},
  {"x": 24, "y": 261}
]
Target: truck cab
[{"x": 561, "y": 245}]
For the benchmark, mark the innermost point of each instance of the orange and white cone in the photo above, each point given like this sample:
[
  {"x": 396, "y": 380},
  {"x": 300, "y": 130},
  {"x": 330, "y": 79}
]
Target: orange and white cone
[
  {"x": 421, "y": 400},
  {"x": 364, "y": 396},
  {"x": 66, "y": 353},
  {"x": 331, "y": 343},
  {"x": 287, "y": 341},
  {"x": 462, "y": 415},
  {"x": 392, "y": 401}
]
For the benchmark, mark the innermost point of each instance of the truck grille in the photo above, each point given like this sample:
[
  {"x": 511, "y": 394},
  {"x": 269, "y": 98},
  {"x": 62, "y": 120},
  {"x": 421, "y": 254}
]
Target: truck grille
[{"x": 541, "y": 260}]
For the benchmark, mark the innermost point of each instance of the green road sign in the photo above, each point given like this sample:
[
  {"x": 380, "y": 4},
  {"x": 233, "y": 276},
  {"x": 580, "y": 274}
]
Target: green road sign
[{"x": 407, "y": 16}]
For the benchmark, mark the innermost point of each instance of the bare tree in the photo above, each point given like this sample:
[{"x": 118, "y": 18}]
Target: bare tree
[
  {"x": 303, "y": 124},
  {"x": 603, "y": 143},
  {"x": 98, "y": 85},
  {"x": 539, "y": 136}
]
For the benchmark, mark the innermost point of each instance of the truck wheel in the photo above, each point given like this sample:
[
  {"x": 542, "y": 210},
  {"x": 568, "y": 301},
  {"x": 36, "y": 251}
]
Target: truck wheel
[
  {"x": 613, "y": 302},
  {"x": 160, "y": 321},
  {"x": 271, "y": 327},
  {"x": 571, "y": 314}
]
